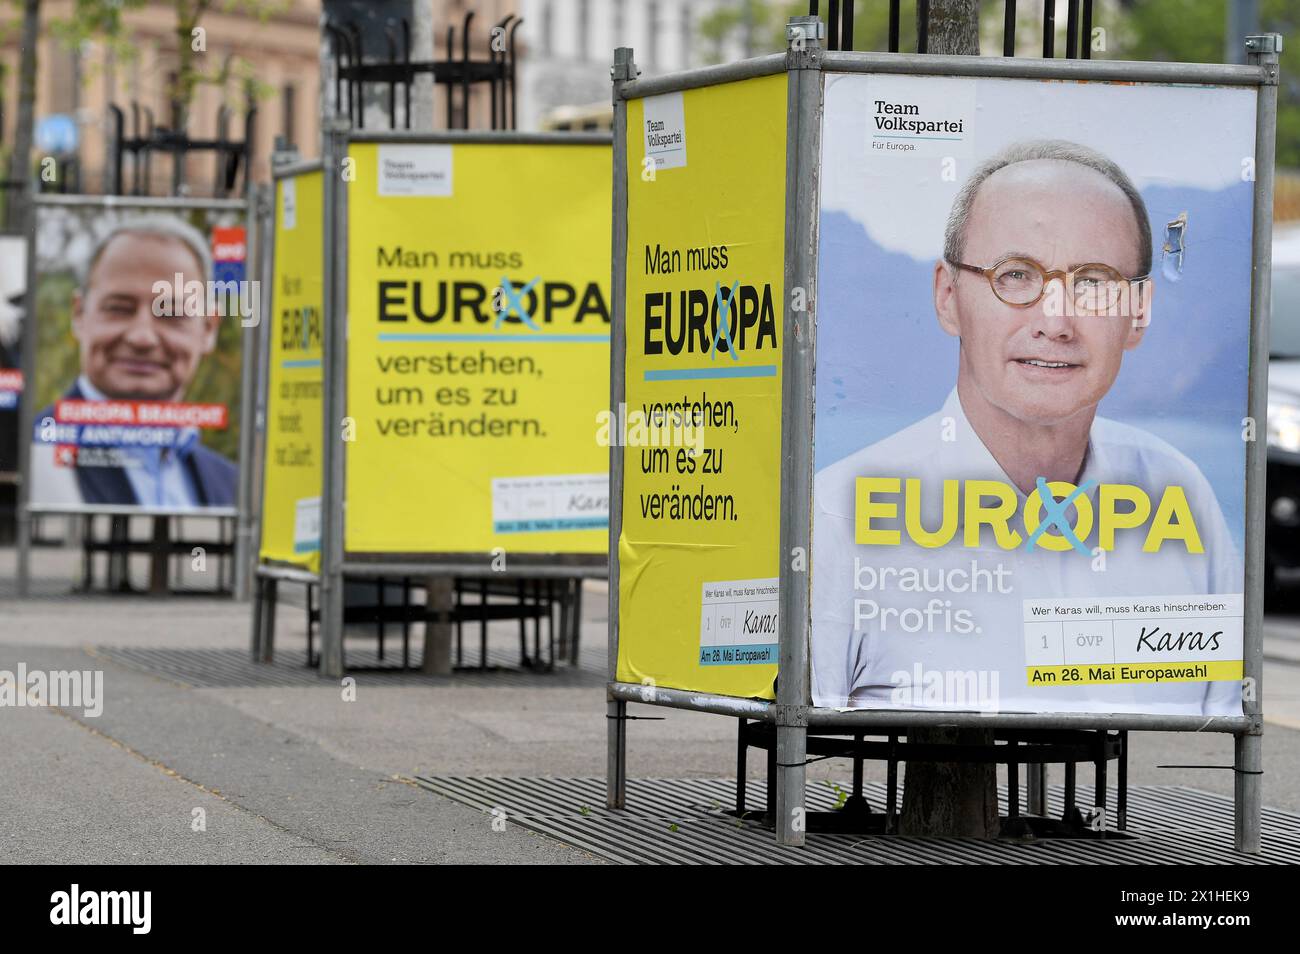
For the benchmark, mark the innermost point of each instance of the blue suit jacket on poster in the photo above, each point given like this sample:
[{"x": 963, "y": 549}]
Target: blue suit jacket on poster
[{"x": 215, "y": 479}]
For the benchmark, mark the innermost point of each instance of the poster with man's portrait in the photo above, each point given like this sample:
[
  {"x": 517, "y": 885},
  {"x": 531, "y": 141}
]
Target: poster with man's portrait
[
  {"x": 138, "y": 317},
  {"x": 13, "y": 285},
  {"x": 1031, "y": 395}
]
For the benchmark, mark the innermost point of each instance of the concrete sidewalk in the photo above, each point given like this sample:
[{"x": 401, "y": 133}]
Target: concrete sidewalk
[{"x": 290, "y": 771}]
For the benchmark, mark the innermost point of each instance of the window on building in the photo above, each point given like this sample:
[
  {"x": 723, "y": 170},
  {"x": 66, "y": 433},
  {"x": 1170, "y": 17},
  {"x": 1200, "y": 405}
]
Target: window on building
[
  {"x": 173, "y": 104},
  {"x": 652, "y": 34},
  {"x": 688, "y": 40},
  {"x": 584, "y": 28},
  {"x": 619, "y": 33},
  {"x": 287, "y": 113}
]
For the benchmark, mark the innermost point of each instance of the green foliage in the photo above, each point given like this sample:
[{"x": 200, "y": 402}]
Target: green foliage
[
  {"x": 726, "y": 24},
  {"x": 1185, "y": 31},
  {"x": 1195, "y": 31},
  {"x": 766, "y": 23},
  {"x": 103, "y": 22},
  {"x": 98, "y": 20},
  {"x": 841, "y": 795}
]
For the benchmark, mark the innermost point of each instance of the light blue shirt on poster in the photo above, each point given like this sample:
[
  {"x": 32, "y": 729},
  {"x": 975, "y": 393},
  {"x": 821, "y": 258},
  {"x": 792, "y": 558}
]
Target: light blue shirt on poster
[
  {"x": 871, "y": 643},
  {"x": 158, "y": 477}
]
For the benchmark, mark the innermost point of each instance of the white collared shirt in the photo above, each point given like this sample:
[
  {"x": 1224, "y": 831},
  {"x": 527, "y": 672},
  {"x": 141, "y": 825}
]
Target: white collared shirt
[
  {"x": 158, "y": 478},
  {"x": 859, "y": 663}
]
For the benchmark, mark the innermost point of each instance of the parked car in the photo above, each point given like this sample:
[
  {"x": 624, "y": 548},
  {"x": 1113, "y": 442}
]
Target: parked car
[{"x": 1282, "y": 533}]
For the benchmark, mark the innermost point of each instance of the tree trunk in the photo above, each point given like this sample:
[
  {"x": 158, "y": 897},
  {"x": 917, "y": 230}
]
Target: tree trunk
[
  {"x": 954, "y": 27},
  {"x": 20, "y": 163},
  {"x": 182, "y": 92},
  {"x": 952, "y": 799},
  {"x": 423, "y": 46}
]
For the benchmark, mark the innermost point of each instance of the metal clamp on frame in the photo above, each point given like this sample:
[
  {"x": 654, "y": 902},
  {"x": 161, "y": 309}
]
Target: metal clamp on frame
[
  {"x": 804, "y": 38},
  {"x": 790, "y": 716}
]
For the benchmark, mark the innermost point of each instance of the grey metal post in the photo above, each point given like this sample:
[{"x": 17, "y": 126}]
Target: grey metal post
[
  {"x": 1036, "y": 784},
  {"x": 334, "y": 394},
  {"x": 249, "y": 367},
  {"x": 1262, "y": 51},
  {"x": 266, "y": 259},
  {"x": 26, "y": 404},
  {"x": 803, "y": 156},
  {"x": 616, "y": 709}
]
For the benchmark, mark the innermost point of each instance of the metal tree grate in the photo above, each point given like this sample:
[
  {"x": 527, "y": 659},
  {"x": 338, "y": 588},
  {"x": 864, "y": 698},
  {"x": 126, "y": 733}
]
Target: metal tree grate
[{"x": 682, "y": 821}]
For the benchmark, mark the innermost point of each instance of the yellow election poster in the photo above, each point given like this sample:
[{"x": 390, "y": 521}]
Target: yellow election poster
[
  {"x": 701, "y": 426},
  {"x": 291, "y": 486},
  {"x": 478, "y": 348}
]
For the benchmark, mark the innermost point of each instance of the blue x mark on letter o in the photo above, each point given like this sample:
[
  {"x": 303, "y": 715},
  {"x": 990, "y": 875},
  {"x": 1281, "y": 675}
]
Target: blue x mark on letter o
[{"x": 1054, "y": 514}]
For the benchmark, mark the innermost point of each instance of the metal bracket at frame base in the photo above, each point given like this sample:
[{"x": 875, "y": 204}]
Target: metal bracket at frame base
[{"x": 790, "y": 716}]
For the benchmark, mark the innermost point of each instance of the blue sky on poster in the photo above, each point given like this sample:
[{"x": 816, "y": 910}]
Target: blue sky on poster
[{"x": 883, "y": 361}]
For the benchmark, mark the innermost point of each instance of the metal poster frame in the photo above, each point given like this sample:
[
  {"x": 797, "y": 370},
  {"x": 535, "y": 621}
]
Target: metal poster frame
[
  {"x": 792, "y": 713},
  {"x": 13, "y": 475},
  {"x": 248, "y": 358},
  {"x": 338, "y": 136},
  {"x": 268, "y": 574}
]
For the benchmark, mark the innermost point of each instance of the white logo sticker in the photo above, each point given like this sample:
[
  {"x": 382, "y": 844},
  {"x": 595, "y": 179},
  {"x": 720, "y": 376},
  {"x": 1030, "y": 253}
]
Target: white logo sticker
[
  {"x": 423, "y": 170},
  {"x": 919, "y": 117},
  {"x": 665, "y": 130},
  {"x": 289, "y": 204}
]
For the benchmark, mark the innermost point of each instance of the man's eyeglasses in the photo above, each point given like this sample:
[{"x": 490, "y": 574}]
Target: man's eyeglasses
[{"x": 1094, "y": 288}]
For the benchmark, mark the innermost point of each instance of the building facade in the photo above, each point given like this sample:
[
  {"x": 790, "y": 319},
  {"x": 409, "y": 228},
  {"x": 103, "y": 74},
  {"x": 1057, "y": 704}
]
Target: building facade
[{"x": 270, "y": 61}]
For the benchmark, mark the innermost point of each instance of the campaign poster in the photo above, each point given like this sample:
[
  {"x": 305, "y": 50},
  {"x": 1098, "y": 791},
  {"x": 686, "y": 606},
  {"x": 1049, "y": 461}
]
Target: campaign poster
[
  {"x": 478, "y": 348},
  {"x": 138, "y": 318},
  {"x": 700, "y": 426},
  {"x": 291, "y": 477},
  {"x": 13, "y": 299},
  {"x": 1031, "y": 395}
]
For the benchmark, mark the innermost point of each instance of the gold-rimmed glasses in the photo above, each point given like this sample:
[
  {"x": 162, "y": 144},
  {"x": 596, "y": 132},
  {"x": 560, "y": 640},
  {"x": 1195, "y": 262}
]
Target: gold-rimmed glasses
[{"x": 1095, "y": 287}]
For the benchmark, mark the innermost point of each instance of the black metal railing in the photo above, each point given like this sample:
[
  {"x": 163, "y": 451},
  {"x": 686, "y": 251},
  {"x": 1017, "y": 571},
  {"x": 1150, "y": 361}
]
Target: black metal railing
[
  {"x": 231, "y": 157},
  {"x": 457, "y": 74},
  {"x": 1078, "y": 26}
]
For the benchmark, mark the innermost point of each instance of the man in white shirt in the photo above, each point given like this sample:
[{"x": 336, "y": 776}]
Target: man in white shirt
[
  {"x": 922, "y": 574},
  {"x": 133, "y": 350}
]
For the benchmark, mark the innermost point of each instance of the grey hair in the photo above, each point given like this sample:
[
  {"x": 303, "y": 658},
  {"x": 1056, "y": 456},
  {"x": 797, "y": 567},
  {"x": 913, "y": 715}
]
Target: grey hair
[
  {"x": 954, "y": 237},
  {"x": 156, "y": 226}
]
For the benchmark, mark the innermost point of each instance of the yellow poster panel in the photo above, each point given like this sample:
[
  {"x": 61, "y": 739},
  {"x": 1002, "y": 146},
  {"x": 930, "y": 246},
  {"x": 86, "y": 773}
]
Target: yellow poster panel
[
  {"x": 698, "y": 554},
  {"x": 478, "y": 348},
  {"x": 291, "y": 482}
]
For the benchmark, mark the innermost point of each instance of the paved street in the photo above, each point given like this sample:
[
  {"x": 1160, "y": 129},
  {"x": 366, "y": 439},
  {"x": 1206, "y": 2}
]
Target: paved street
[{"x": 292, "y": 772}]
